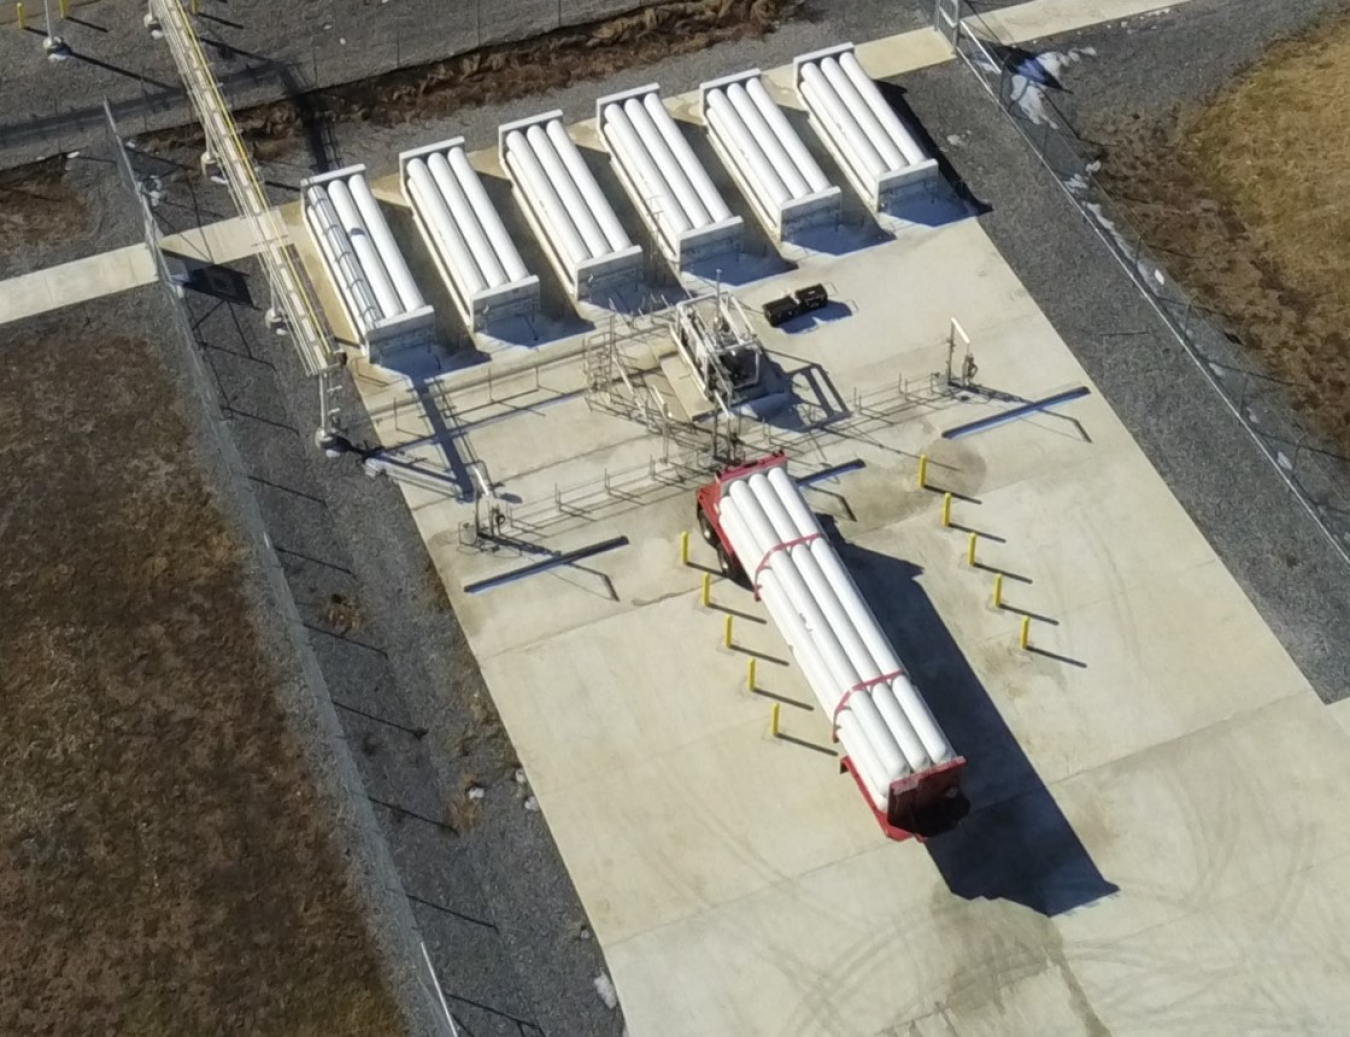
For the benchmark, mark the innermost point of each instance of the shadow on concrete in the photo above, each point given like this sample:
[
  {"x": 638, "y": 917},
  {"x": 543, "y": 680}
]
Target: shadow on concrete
[
  {"x": 1015, "y": 844},
  {"x": 894, "y": 95}
]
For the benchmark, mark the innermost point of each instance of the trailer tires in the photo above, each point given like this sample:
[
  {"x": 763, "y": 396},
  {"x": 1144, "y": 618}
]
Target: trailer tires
[
  {"x": 705, "y": 527},
  {"x": 731, "y": 568}
]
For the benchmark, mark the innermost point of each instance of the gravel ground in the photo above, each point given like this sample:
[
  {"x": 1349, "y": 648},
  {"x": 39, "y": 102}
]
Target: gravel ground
[{"x": 1234, "y": 495}]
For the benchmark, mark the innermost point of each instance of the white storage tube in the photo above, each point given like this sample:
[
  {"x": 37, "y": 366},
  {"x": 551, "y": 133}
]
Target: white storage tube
[
  {"x": 364, "y": 248},
  {"x": 466, "y": 221},
  {"x": 768, "y": 141},
  {"x": 590, "y": 190},
  {"x": 827, "y": 104},
  {"x": 408, "y": 293},
  {"x": 684, "y": 154},
  {"x": 531, "y": 177},
  {"x": 442, "y": 226},
  {"x": 773, "y": 115},
  {"x": 664, "y": 160},
  {"x": 939, "y": 749},
  {"x": 502, "y": 244},
  {"x": 351, "y": 283},
  {"x": 871, "y": 96},
  {"x": 863, "y": 115},
  {"x": 561, "y": 179},
  {"x": 728, "y": 125},
  {"x": 651, "y": 184}
]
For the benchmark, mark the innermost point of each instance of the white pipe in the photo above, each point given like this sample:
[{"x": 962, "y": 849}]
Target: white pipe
[
  {"x": 482, "y": 206},
  {"x": 829, "y": 109},
  {"x": 684, "y": 154},
  {"x": 773, "y": 115},
  {"x": 590, "y": 190},
  {"x": 408, "y": 293},
  {"x": 907, "y": 696},
  {"x": 863, "y": 115},
  {"x": 727, "y": 125},
  {"x": 437, "y": 219},
  {"x": 666, "y": 164},
  {"x": 841, "y": 671},
  {"x": 465, "y": 221},
  {"x": 364, "y": 248},
  {"x": 561, "y": 179},
  {"x": 768, "y": 141},
  {"x": 794, "y": 632},
  {"x": 342, "y": 261},
  {"x": 522, "y": 162},
  {"x": 841, "y": 624},
  {"x": 657, "y": 195},
  {"x": 903, "y": 139}
]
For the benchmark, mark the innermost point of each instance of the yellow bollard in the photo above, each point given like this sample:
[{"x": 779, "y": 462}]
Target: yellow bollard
[
  {"x": 196, "y": 6},
  {"x": 684, "y": 547},
  {"x": 946, "y": 510},
  {"x": 18, "y": 11},
  {"x": 65, "y": 8},
  {"x": 726, "y": 633},
  {"x": 923, "y": 471},
  {"x": 998, "y": 591},
  {"x": 773, "y": 719},
  {"x": 1025, "y": 635},
  {"x": 970, "y": 550},
  {"x": 750, "y": 674},
  {"x": 707, "y": 589}
]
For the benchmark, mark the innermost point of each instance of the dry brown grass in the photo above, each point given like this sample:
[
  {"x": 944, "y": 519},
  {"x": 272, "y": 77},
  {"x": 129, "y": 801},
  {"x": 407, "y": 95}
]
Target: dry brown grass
[
  {"x": 1246, "y": 197},
  {"x": 165, "y": 866},
  {"x": 511, "y": 70},
  {"x": 38, "y": 204}
]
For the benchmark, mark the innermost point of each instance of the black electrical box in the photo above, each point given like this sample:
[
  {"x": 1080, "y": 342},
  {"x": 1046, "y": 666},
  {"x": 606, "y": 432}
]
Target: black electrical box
[
  {"x": 780, "y": 311},
  {"x": 813, "y": 297}
]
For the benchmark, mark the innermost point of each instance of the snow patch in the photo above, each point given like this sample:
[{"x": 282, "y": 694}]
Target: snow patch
[{"x": 604, "y": 986}]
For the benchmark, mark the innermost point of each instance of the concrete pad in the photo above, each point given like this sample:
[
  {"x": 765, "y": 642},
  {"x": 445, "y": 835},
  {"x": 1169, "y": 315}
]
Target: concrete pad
[{"x": 75, "y": 282}]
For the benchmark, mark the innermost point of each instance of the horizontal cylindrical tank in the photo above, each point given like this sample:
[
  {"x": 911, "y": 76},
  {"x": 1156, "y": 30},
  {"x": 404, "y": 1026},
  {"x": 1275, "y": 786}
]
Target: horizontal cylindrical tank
[
  {"x": 351, "y": 281},
  {"x": 409, "y": 295},
  {"x": 441, "y": 225},
  {"x": 666, "y": 164},
  {"x": 364, "y": 247},
  {"x": 895, "y": 129},
  {"x": 728, "y": 125},
  {"x": 484, "y": 256},
  {"x": 825, "y": 101},
  {"x": 560, "y": 178},
  {"x": 600, "y": 208},
  {"x": 777, "y": 121},
  {"x": 684, "y": 154},
  {"x": 502, "y": 245},
  {"x": 532, "y": 179},
  {"x": 769, "y": 142},
  {"x": 657, "y": 193},
  {"x": 866, "y": 119}
]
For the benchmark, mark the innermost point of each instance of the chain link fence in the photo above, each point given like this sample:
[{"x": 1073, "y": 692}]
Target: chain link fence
[{"x": 1317, "y": 475}]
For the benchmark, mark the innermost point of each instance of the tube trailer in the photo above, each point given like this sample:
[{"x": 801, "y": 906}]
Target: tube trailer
[{"x": 767, "y": 538}]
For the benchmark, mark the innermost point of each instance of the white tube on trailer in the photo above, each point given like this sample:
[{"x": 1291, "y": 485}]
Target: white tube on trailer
[
  {"x": 410, "y": 296},
  {"x": 824, "y": 100},
  {"x": 911, "y": 702},
  {"x": 895, "y": 129},
  {"x": 777, "y": 121},
  {"x": 502, "y": 245},
  {"x": 466, "y": 221},
  {"x": 364, "y": 248},
  {"x": 568, "y": 191},
  {"x": 351, "y": 282},
  {"x": 666, "y": 164},
  {"x": 604, "y": 214},
  {"x": 684, "y": 155},
  {"x": 521, "y": 159},
  {"x": 442, "y": 225},
  {"x": 847, "y": 92}
]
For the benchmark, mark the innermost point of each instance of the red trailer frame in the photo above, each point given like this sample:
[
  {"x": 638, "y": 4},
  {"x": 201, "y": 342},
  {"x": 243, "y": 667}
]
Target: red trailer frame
[{"x": 918, "y": 805}]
